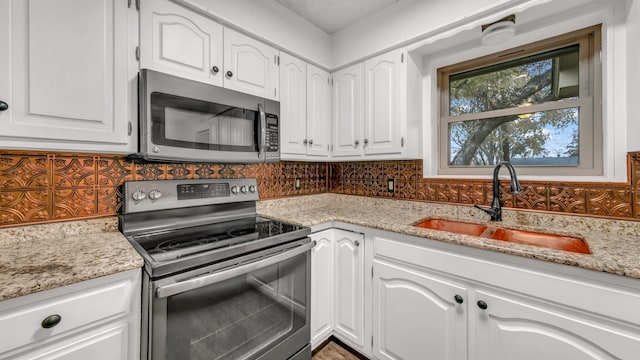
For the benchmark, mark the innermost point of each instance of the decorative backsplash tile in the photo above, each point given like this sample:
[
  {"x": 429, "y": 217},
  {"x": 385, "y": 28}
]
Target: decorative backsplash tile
[
  {"x": 42, "y": 187},
  {"x": 616, "y": 200}
]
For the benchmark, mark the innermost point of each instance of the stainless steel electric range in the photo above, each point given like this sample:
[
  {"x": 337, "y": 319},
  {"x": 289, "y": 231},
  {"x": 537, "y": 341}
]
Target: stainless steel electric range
[{"x": 219, "y": 281}]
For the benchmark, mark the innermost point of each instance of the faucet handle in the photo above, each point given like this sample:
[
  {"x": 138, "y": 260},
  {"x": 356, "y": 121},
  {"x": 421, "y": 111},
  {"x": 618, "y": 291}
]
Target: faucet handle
[{"x": 495, "y": 213}]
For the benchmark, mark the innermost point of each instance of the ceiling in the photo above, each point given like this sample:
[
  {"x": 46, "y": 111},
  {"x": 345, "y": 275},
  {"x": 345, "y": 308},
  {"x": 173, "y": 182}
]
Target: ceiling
[{"x": 333, "y": 15}]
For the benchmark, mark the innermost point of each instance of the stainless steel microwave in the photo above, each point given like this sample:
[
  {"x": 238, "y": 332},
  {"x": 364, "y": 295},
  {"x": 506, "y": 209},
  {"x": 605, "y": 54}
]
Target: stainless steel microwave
[{"x": 187, "y": 121}]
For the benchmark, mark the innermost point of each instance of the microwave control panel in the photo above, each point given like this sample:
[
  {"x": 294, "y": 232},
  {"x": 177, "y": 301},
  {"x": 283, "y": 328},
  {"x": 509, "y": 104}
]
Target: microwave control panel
[{"x": 273, "y": 134}]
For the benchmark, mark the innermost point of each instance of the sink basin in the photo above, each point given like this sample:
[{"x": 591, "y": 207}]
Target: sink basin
[
  {"x": 551, "y": 241},
  {"x": 457, "y": 227}
]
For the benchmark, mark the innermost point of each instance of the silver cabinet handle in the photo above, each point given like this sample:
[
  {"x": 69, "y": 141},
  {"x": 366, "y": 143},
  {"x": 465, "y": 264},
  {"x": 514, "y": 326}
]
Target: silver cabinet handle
[
  {"x": 305, "y": 141},
  {"x": 209, "y": 279},
  {"x": 357, "y": 243},
  {"x": 263, "y": 132},
  {"x": 310, "y": 142},
  {"x": 3, "y": 106},
  {"x": 356, "y": 143},
  {"x": 366, "y": 141}
]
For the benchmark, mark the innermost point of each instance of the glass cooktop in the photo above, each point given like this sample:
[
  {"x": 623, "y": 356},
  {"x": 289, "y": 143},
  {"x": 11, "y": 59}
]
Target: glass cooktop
[{"x": 178, "y": 243}]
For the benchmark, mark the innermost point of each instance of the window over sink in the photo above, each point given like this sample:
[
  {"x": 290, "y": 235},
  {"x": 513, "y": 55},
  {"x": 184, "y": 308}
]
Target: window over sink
[{"x": 537, "y": 106}]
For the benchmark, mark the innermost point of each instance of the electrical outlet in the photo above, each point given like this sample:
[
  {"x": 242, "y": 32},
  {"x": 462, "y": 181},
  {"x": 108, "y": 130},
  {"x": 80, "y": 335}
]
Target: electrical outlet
[
  {"x": 298, "y": 183},
  {"x": 390, "y": 185}
]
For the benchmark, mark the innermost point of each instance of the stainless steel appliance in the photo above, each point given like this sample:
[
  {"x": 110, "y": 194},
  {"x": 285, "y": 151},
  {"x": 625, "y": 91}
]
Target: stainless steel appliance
[
  {"x": 185, "y": 120},
  {"x": 219, "y": 282}
]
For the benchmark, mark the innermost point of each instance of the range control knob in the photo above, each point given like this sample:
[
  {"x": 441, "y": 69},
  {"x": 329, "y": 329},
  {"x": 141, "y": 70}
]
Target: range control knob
[
  {"x": 234, "y": 189},
  {"x": 243, "y": 189},
  {"x": 139, "y": 195},
  {"x": 252, "y": 188},
  {"x": 155, "y": 194}
]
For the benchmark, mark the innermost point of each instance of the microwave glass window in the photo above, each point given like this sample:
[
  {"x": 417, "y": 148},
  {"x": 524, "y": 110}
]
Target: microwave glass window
[{"x": 195, "y": 124}]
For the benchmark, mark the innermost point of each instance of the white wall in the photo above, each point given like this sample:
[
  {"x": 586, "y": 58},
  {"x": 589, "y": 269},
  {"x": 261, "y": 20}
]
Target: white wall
[
  {"x": 404, "y": 22},
  {"x": 633, "y": 76},
  {"x": 271, "y": 22}
]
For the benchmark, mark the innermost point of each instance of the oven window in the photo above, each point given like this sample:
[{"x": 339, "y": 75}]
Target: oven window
[
  {"x": 240, "y": 318},
  {"x": 195, "y": 124}
]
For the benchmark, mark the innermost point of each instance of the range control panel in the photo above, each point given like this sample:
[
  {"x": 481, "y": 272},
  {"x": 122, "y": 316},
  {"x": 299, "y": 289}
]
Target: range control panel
[{"x": 171, "y": 194}]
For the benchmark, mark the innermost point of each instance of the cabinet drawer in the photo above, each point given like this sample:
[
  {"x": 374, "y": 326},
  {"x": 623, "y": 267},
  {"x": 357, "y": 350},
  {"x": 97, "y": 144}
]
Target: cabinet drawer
[{"x": 23, "y": 324}]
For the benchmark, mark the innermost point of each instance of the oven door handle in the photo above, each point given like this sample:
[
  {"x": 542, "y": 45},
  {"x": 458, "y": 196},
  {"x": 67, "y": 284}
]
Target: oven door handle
[
  {"x": 191, "y": 284},
  {"x": 263, "y": 132}
]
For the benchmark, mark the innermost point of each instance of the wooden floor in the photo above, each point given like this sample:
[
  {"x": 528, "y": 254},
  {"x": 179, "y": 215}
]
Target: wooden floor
[{"x": 333, "y": 351}]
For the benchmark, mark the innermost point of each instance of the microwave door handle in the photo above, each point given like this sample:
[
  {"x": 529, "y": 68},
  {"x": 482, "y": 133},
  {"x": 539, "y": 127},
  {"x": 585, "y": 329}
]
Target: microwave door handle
[
  {"x": 263, "y": 132},
  {"x": 206, "y": 280}
]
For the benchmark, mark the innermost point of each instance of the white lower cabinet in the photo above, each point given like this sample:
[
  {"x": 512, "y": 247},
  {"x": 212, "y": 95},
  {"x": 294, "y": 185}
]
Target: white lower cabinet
[
  {"x": 337, "y": 288},
  {"x": 512, "y": 328},
  {"x": 426, "y": 302},
  {"x": 429, "y": 300},
  {"x": 349, "y": 287},
  {"x": 322, "y": 292},
  {"x": 94, "y": 319},
  {"x": 416, "y": 315}
]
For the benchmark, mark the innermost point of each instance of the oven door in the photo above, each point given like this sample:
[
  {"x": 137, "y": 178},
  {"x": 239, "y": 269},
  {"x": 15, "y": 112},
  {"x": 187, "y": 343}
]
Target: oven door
[{"x": 254, "y": 310}]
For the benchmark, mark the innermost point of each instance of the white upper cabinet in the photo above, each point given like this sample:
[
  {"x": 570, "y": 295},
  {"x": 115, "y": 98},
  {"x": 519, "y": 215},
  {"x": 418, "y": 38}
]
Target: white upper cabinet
[
  {"x": 250, "y": 66},
  {"x": 347, "y": 111},
  {"x": 318, "y": 112},
  {"x": 178, "y": 41},
  {"x": 68, "y": 73},
  {"x": 385, "y": 103},
  {"x": 374, "y": 116},
  {"x": 293, "y": 105}
]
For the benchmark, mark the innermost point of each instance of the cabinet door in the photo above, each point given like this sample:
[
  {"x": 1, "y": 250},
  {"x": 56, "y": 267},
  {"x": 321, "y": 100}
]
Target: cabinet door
[
  {"x": 178, "y": 41},
  {"x": 318, "y": 112},
  {"x": 385, "y": 98},
  {"x": 293, "y": 105},
  {"x": 347, "y": 111},
  {"x": 349, "y": 285},
  {"x": 250, "y": 66},
  {"x": 109, "y": 343},
  {"x": 416, "y": 316},
  {"x": 65, "y": 73},
  {"x": 511, "y": 328},
  {"x": 322, "y": 272}
]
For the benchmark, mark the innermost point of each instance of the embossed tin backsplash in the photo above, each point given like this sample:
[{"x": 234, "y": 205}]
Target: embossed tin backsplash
[{"x": 43, "y": 186}]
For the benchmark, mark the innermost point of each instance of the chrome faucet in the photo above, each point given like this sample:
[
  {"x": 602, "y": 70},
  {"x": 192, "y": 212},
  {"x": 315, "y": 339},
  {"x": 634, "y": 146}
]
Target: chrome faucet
[{"x": 495, "y": 211}]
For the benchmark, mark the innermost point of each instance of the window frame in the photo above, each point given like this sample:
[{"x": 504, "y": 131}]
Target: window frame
[{"x": 589, "y": 102}]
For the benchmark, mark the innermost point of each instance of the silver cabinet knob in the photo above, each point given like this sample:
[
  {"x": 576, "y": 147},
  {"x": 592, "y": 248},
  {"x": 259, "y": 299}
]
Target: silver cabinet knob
[
  {"x": 155, "y": 194},
  {"x": 356, "y": 143},
  {"x": 356, "y": 243},
  {"x": 305, "y": 141},
  {"x": 310, "y": 142},
  {"x": 234, "y": 189},
  {"x": 366, "y": 141},
  {"x": 252, "y": 188},
  {"x": 139, "y": 195}
]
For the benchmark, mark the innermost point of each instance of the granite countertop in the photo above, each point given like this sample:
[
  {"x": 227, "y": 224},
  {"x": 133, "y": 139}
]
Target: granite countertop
[
  {"x": 614, "y": 244},
  {"x": 41, "y": 257}
]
